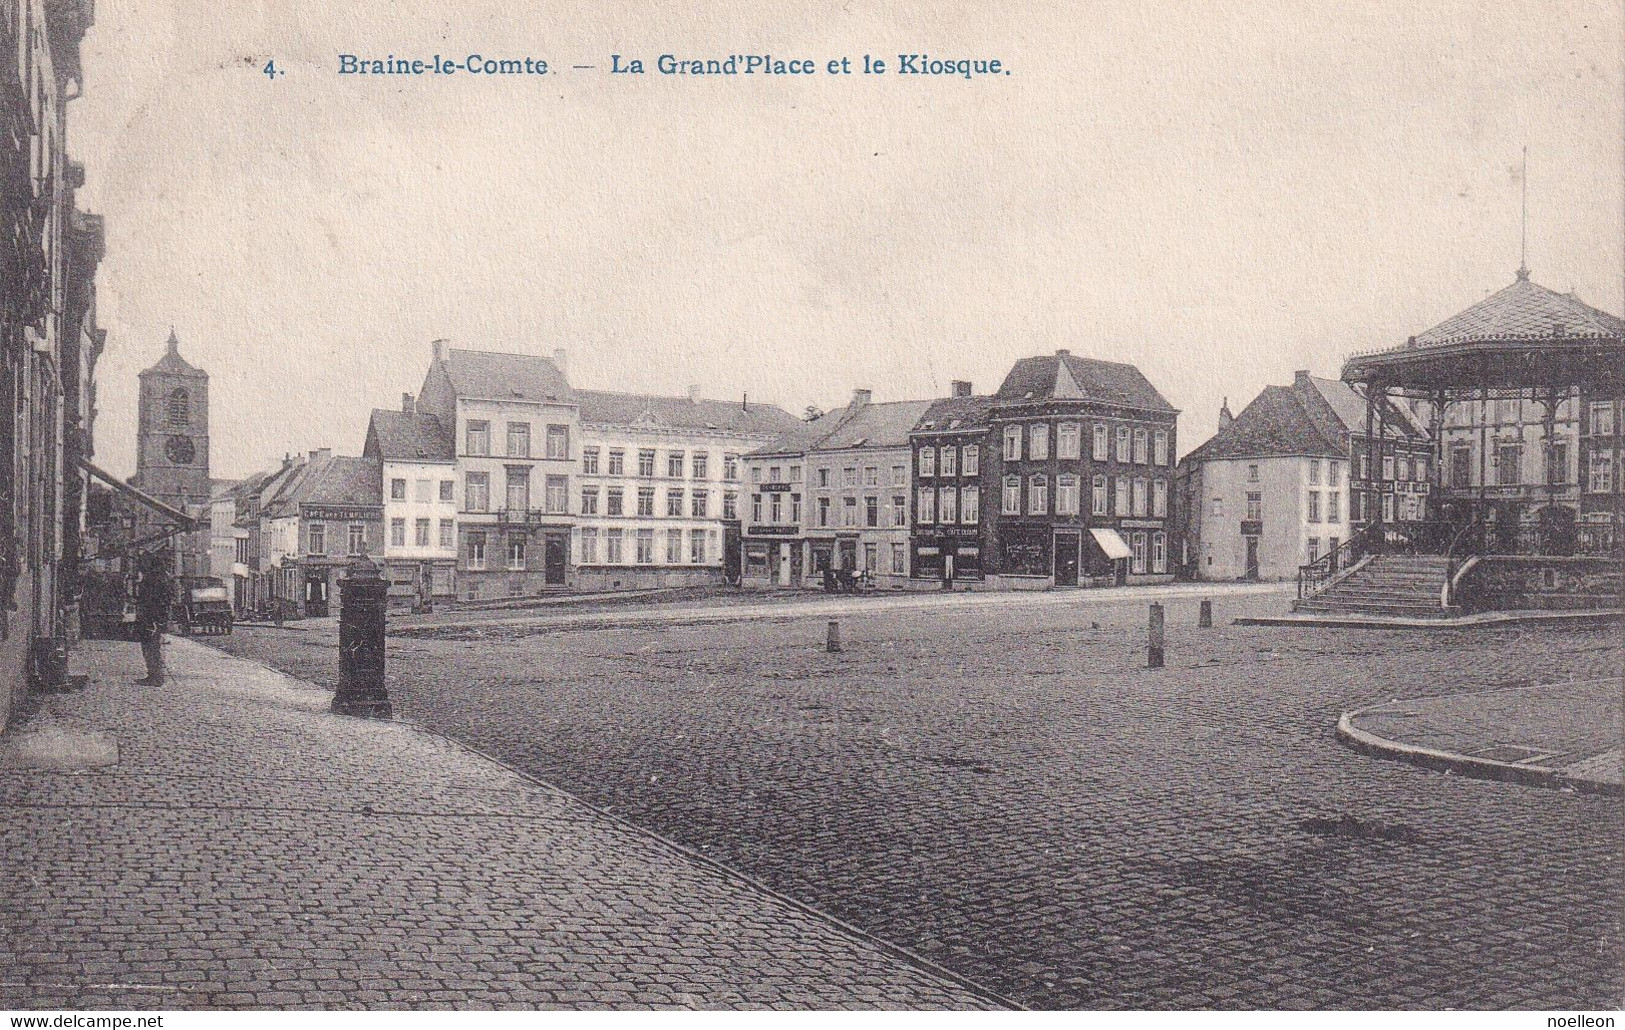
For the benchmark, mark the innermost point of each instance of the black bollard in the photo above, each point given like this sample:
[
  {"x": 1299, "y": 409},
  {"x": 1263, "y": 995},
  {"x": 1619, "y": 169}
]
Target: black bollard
[
  {"x": 1205, "y": 620},
  {"x": 1153, "y": 657},
  {"x": 361, "y": 643},
  {"x": 832, "y": 642}
]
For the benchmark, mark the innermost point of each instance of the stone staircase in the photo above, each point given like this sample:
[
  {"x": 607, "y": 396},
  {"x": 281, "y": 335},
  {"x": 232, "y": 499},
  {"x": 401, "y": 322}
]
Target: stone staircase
[{"x": 1393, "y": 584}]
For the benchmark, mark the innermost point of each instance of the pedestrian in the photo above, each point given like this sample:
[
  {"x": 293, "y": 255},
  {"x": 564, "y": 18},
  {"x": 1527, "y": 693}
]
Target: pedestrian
[{"x": 154, "y": 593}]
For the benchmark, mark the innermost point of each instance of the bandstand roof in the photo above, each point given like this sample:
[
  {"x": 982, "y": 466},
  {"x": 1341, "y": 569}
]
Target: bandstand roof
[{"x": 1521, "y": 337}]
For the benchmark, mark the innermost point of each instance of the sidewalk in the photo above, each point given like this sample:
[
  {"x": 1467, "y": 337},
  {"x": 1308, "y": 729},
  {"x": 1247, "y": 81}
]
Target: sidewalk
[
  {"x": 1550, "y": 735},
  {"x": 225, "y": 842}
]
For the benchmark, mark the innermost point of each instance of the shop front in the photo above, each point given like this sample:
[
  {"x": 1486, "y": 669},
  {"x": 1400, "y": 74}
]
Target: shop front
[
  {"x": 948, "y": 554},
  {"x": 771, "y": 558}
]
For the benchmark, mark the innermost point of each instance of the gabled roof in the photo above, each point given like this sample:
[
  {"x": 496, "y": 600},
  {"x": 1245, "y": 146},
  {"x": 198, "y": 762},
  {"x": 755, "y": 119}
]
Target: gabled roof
[
  {"x": 329, "y": 479},
  {"x": 404, "y": 436},
  {"x": 1347, "y": 402},
  {"x": 1524, "y": 310},
  {"x": 490, "y": 375},
  {"x": 955, "y": 413},
  {"x": 636, "y": 409},
  {"x": 1275, "y": 424},
  {"x": 873, "y": 425},
  {"x": 1064, "y": 376},
  {"x": 237, "y": 489},
  {"x": 804, "y": 435}
]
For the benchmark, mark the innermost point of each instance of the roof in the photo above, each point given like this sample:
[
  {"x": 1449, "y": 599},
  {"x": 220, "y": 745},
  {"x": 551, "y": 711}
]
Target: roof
[
  {"x": 329, "y": 479},
  {"x": 955, "y": 413},
  {"x": 1276, "y": 424},
  {"x": 237, "y": 489},
  {"x": 1348, "y": 404},
  {"x": 872, "y": 425},
  {"x": 801, "y": 438},
  {"x": 637, "y": 409},
  {"x": 404, "y": 436},
  {"x": 1065, "y": 376},
  {"x": 173, "y": 364},
  {"x": 1524, "y": 310},
  {"x": 490, "y": 375}
]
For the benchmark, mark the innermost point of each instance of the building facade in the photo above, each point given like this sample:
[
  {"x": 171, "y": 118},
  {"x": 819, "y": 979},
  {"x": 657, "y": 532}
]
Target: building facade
[
  {"x": 326, "y": 515},
  {"x": 951, "y": 488},
  {"x": 419, "y": 487},
  {"x": 172, "y": 448}
]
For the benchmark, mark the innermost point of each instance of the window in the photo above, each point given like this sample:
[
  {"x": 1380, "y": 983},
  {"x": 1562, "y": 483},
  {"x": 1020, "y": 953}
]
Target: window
[
  {"x": 646, "y": 463},
  {"x": 646, "y": 500},
  {"x": 448, "y": 534},
  {"x": 1159, "y": 448},
  {"x": 317, "y": 538},
  {"x": 420, "y": 533},
  {"x": 899, "y": 559},
  {"x": 1066, "y": 440},
  {"x": 823, "y": 512},
  {"x": 589, "y": 546},
  {"x": 823, "y": 479},
  {"x": 795, "y": 508},
  {"x": 516, "y": 552},
  {"x": 948, "y": 505},
  {"x": 1102, "y": 444},
  {"x": 1602, "y": 418},
  {"x": 1387, "y": 507},
  {"x": 674, "y": 503},
  {"x": 397, "y": 489},
  {"x": 1012, "y": 443},
  {"x": 1314, "y": 506},
  {"x": 1218, "y": 507},
  {"x": 1252, "y": 473},
  {"x": 1012, "y": 496},
  {"x": 589, "y": 460},
  {"x": 970, "y": 505},
  {"x": 518, "y": 440},
  {"x": 676, "y": 461},
  {"x": 180, "y": 407},
  {"x": 1365, "y": 467},
  {"x": 477, "y": 440},
  {"x": 1159, "y": 552},
  {"x": 1120, "y": 504},
  {"x": 1334, "y": 507},
  {"x": 871, "y": 512},
  {"x": 949, "y": 462},
  {"x": 447, "y": 487},
  {"x": 849, "y": 512},
  {"x": 1159, "y": 497},
  {"x": 730, "y": 467},
  {"x": 1334, "y": 473},
  {"x": 1557, "y": 462},
  {"x": 358, "y": 538},
  {"x": 476, "y": 550},
  {"x": 674, "y": 546},
  {"x": 1097, "y": 501},
  {"x": 1508, "y": 458},
  {"x": 1421, "y": 467},
  {"x": 1038, "y": 442},
  {"x": 756, "y": 508},
  {"x": 1461, "y": 465},
  {"x": 613, "y": 553},
  {"x": 1123, "y": 445},
  {"x": 558, "y": 442},
  {"x": 849, "y": 477},
  {"x": 1314, "y": 472},
  {"x": 1140, "y": 455},
  {"x": 589, "y": 500},
  {"x": 1404, "y": 473},
  {"x": 397, "y": 532},
  {"x": 776, "y": 508},
  {"x": 1601, "y": 478},
  {"x": 696, "y": 547},
  {"x": 1508, "y": 409},
  {"x": 926, "y": 505},
  {"x": 1255, "y": 507},
  {"x": 1038, "y": 495},
  {"x": 422, "y": 490},
  {"x": 1314, "y": 549},
  {"x": 899, "y": 475},
  {"x": 972, "y": 463},
  {"x": 1388, "y": 466},
  {"x": 1139, "y": 497},
  {"x": 1066, "y": 493},
  {"x": 242, "y": 550},
  {"x": 756, "y": 473},
  {"x": 477, "y": 491},
  {"x": 730, "y": 505},
  {"x": 644, "y": 544},
  {"x": 617, "y": 462},
  {"x": 518, "y": 489},
  {"x": 613, "y": 504},
  {"x": 701, "y": 466},
  {"x": 928, "y": 461},
  {"x": 871, "y": 476},
  {"x": 558, "y": 494},
  {"x": 699, "y": 506},
  {"x": 899, "y": 510},
  {"x": 1137, "y": 546}
]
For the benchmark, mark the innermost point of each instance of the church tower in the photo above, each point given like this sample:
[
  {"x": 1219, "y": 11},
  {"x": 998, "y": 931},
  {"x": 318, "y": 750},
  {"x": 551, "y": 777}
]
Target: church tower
[{"x": 172, "y": 446}]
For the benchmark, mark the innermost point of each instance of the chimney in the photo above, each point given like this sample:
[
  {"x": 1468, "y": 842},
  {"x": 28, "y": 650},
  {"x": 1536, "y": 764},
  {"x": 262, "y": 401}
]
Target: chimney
[
  {"x": 561, "y": 359},
  {"x": 694, "y": 393},
  {"x": 860, "y": 398},
  {"x": 439, "y": 349},
  {"x": 407, "y": 405},
  {"x": 959, "y": 388},
  {"x": 1301, "y": 379},
  {"x": 1062, "y": 352},
  {"x": 1225, "y": 418}
]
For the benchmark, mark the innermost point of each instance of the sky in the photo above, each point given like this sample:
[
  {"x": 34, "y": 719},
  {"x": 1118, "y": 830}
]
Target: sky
[{"x": 1220, "y": 194}]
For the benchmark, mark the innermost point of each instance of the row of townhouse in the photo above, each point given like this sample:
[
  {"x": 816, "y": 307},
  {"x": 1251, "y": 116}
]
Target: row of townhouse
[{"x": 1062, "y": 477}]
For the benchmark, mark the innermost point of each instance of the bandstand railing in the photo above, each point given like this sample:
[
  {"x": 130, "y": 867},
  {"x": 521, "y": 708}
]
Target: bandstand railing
[{"x": 1315, "y": 576}]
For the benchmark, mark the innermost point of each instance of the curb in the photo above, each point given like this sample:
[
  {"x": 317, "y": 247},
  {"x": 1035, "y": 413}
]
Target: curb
[
  {"x": 1460, "y": 622},
  {"x": 1449, "y": 762}
]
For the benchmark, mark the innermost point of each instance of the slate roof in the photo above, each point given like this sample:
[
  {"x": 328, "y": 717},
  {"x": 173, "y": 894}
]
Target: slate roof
[
  {"x": 491, "y": 375},
  {"x": 173, "y": 364},
  {"x": 802, "y": 438},
  {"x": 1348, "y": 403},
  {"x": 633, "y": 409},
  {"x": 874, "y": 425},
  {"x": 329, "y": 479},
  {"x": 955, "y": 413},
  {"x": 1524, "y": 310},
  {"x": 403, "y": 436},
  {"x": 1042, "y": 378},
  {"x": 1277, "y": 423}
]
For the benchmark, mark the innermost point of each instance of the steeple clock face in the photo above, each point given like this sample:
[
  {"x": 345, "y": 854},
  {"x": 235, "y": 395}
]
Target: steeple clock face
[{"x": 180, "y": 450}]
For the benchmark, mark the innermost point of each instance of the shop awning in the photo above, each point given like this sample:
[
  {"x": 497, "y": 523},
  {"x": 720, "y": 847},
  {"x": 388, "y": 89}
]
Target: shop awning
[
  {"x": 183, "y": 520},
  {"x": 1111, "y": 543}
]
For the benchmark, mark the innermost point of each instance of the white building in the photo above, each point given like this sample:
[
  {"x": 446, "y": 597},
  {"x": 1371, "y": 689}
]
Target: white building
[{"x": 420, "y": 492}]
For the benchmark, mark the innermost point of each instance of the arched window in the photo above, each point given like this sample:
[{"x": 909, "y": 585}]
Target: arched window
[{"x": 180, "y": 408}]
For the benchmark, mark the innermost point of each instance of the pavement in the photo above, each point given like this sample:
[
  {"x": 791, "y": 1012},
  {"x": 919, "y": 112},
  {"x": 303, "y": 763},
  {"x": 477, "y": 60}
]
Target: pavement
[
  {"x": 225, "y": 842},
  {"x": 1598, "y": 616},
  {"x": 1564, "y": 735}
]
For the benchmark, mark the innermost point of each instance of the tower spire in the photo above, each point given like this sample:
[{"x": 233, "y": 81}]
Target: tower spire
[
  {"x": 1523, "y": 235},
  {"x": 174, "y": 344}
]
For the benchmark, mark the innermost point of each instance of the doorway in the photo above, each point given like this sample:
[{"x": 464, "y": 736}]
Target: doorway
[
  {"x": 555, "y": 555},
  {"x": 1252, "y": 558},
  {"x": 316, "y": 594},
  {"x": 1066, "y": 559}
]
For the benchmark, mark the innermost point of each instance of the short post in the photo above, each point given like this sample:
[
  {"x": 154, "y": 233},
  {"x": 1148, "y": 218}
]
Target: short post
[
  {"x": 832, "y": 642},
  {"x": 361, "y": 643},
  {"x": 1154, "y": 647},
  {"x": 1205, "y": 620}
]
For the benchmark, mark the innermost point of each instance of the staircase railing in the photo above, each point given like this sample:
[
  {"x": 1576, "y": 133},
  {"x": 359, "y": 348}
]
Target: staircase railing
[
  {"x": 1315, "y": 576},
  {"x": 1466, "y": 543}
]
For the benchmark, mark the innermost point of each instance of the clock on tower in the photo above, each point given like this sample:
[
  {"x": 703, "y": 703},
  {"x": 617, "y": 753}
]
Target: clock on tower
[{"x": 172, "y": 444}]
